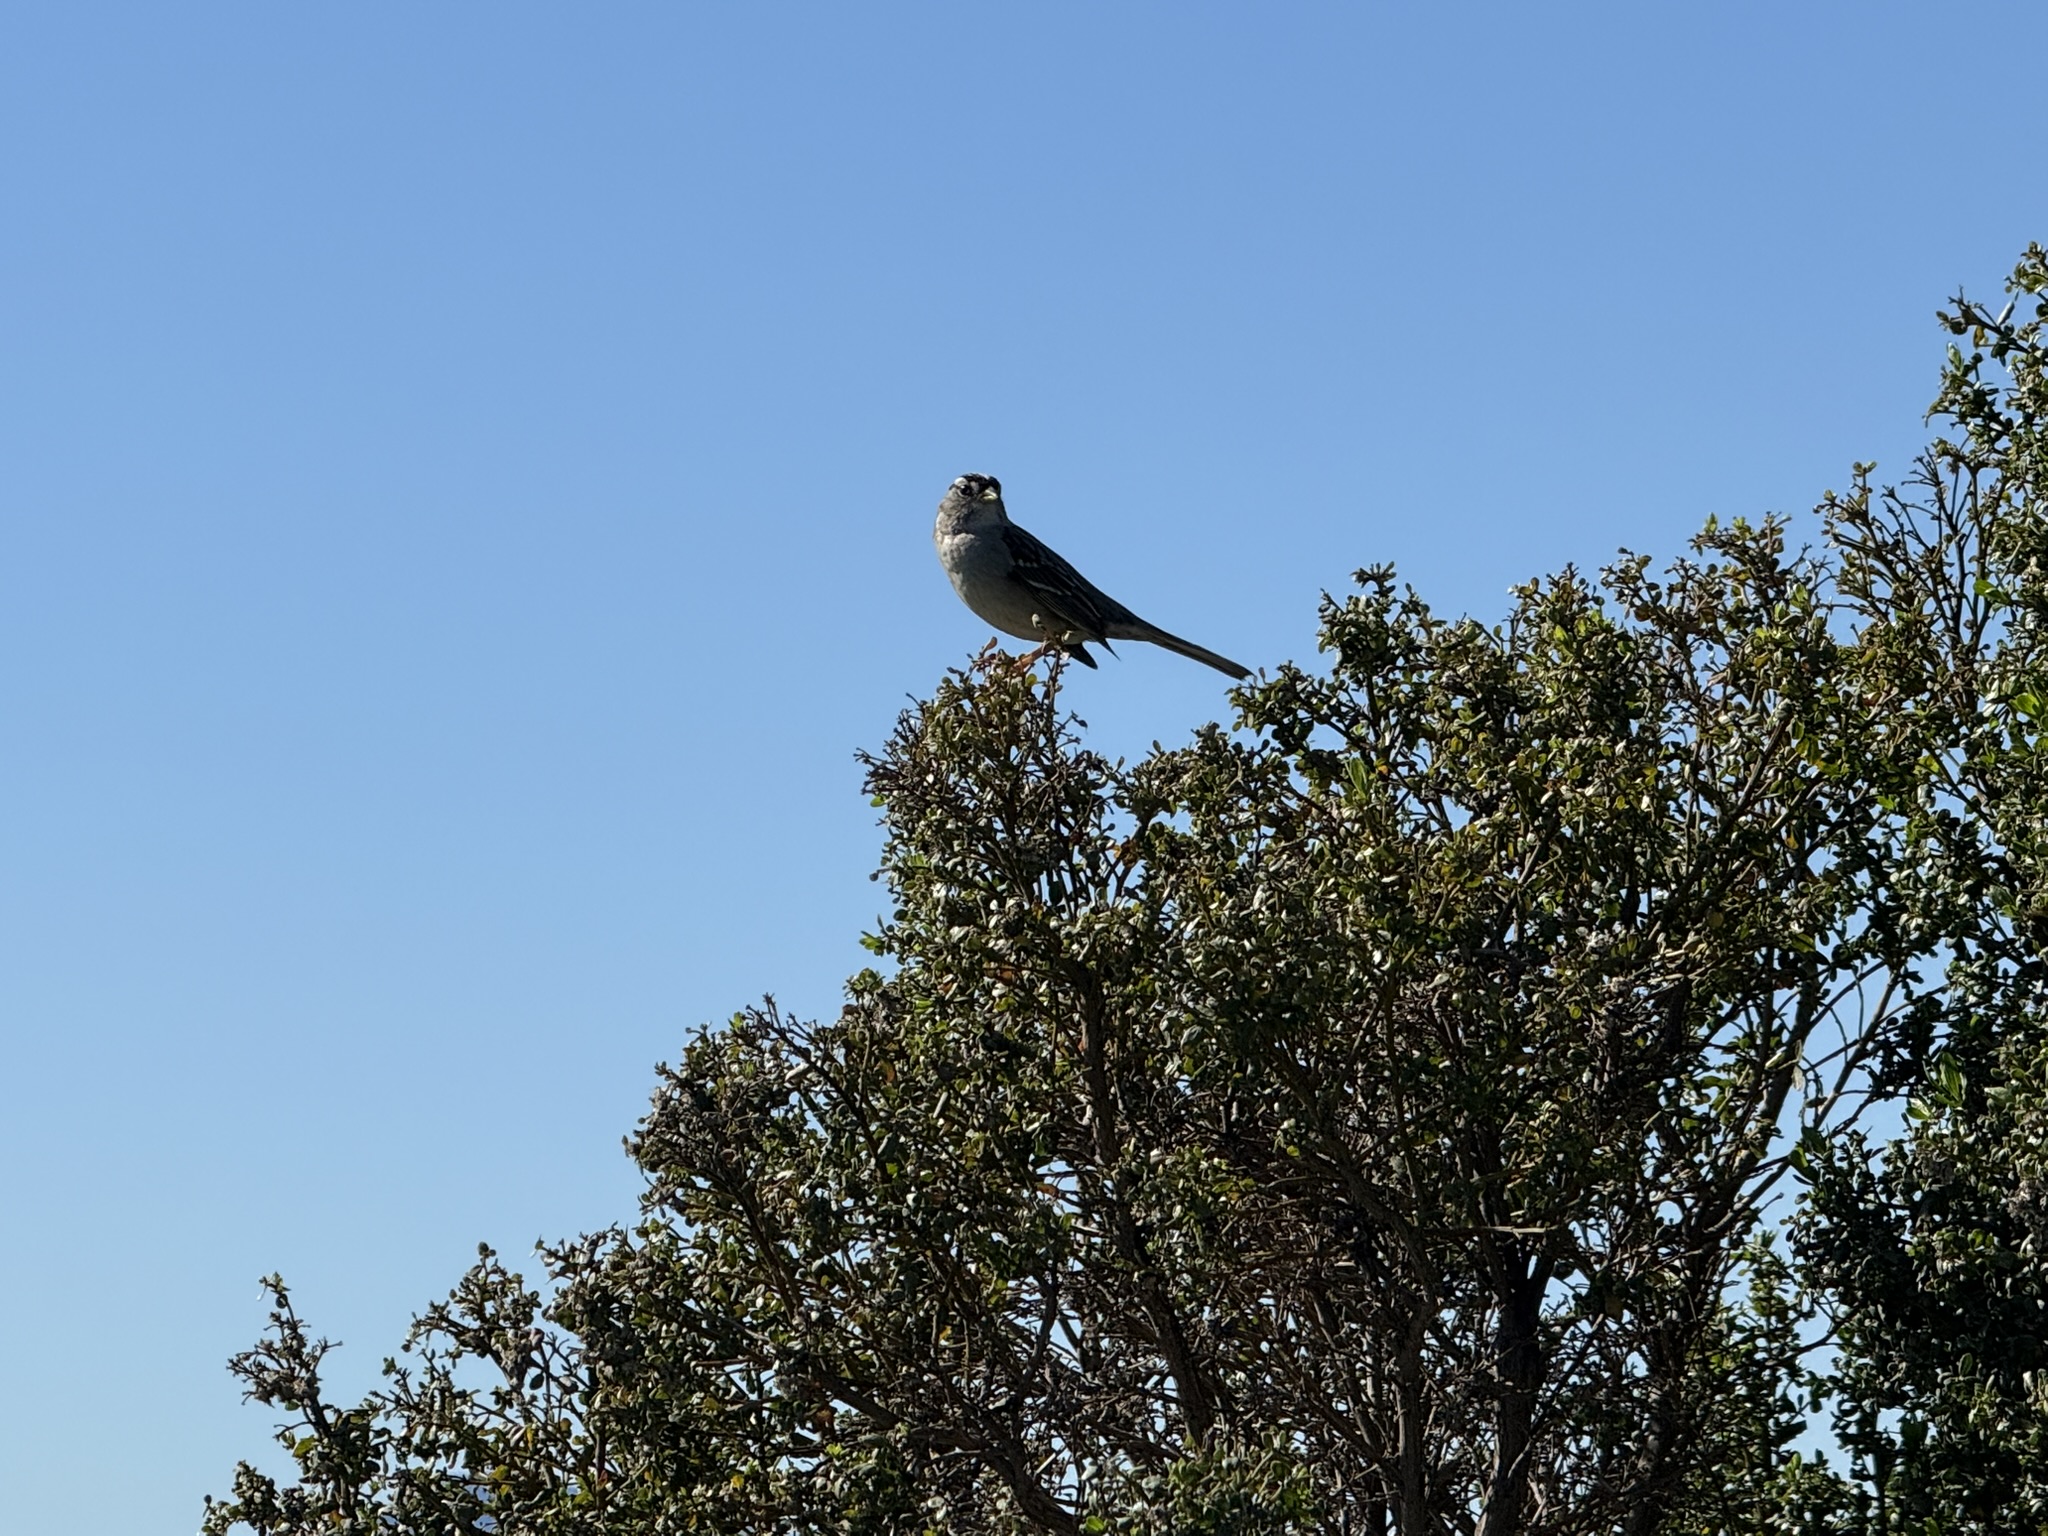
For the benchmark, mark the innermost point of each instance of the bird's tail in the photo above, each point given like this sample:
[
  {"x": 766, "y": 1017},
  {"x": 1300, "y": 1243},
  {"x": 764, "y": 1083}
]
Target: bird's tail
[{"x": 1194, "y": 652}]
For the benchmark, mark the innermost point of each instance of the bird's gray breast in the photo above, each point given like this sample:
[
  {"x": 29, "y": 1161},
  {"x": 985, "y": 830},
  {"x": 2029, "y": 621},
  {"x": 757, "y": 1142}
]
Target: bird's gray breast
[{"x": 978, "y": 564}]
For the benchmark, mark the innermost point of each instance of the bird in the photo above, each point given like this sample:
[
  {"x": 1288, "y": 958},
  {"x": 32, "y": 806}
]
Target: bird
[{"x": 1014, "y": 582}]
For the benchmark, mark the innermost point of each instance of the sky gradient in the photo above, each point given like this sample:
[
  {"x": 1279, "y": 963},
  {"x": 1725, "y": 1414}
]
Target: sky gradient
[{"x": 466, "y": 475}]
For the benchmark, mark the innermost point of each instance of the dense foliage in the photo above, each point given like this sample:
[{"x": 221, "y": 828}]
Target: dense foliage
[
  {"x": 1378, "y": 1118},
  {"x": 1930, "y": 1255}
]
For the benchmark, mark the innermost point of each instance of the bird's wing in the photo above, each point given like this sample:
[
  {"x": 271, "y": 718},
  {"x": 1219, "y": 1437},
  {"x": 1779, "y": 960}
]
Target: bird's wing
[{"x": 1066, "y": 593}]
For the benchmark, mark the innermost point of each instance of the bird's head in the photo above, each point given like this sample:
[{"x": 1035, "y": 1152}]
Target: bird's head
[{"x": 973, "y": 499}]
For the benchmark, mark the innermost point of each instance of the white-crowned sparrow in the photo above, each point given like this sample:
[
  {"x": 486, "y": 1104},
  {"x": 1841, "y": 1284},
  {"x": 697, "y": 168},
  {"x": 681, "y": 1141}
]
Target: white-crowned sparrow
[{"x": 1015, "y": 583}]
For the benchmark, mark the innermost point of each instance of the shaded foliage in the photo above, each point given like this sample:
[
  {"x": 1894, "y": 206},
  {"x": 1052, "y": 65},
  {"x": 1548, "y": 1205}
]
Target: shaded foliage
[
  {"x": 1928, "y": 1254},
  {"x": 1364, "y": 1121}
]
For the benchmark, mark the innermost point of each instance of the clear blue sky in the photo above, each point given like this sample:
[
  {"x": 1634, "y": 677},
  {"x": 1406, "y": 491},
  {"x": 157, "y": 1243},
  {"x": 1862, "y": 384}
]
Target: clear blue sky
[{"x": 465, "y": 489}]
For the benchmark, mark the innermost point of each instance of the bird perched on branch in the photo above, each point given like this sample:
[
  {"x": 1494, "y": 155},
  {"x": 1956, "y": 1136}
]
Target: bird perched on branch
[{"x": 1015, "y": 583}]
